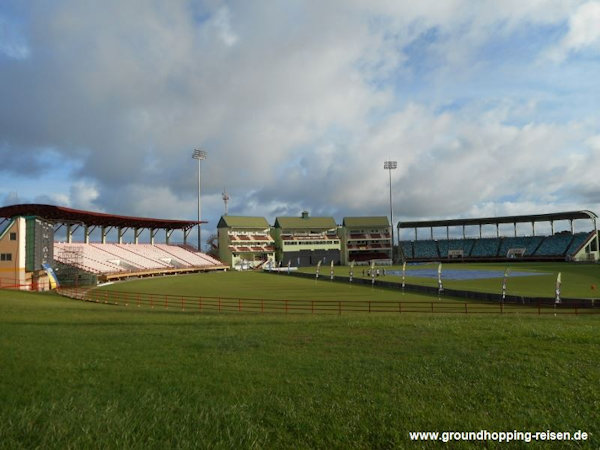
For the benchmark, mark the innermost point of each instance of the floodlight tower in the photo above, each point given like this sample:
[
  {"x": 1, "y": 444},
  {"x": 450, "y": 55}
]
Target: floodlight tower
[
  {"x": 226, "y": 197},
  {"x": 199, "y": 155},
  {"x": 389, "y": 166}
]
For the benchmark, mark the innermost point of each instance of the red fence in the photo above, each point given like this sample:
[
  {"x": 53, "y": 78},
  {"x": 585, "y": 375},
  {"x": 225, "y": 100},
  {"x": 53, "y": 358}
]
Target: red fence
[{"x": 202, "y": 304}]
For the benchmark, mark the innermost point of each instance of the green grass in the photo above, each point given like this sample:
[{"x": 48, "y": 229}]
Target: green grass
[
  {"x": 577, "y": 279},
  {"x": 261, "y": 285},
  {"x": 81, "y": 375}
]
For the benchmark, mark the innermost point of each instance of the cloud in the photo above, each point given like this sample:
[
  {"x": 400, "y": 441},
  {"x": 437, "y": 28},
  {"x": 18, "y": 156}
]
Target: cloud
[
  {"x": 222, "y": 22},
  {"x": 583, "y": 33},
  {"x": 298, "y": 104}
]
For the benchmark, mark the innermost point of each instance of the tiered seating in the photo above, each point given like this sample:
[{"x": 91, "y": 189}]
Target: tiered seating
[
  {"x": 529, "y": 243},
  {"x": 455, "y": 244},
  {"x": 425, "y": 249},
  {"x": 190, "y": 258},
  {"x": 485, "y": 247},
  {"x": 558, "y": 246},
  {"x": 133, "y": 257},
  {"x": 555, "y": 245},
  {"x": 578, "y": 240},
  {"x": 87, "y": 258},
  {"x": 407, "y": 249},
  {"x": 114, "y": 258}
]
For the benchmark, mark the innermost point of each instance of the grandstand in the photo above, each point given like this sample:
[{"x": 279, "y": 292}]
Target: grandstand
[
  {"x": 366, "y": 239},
  {"x": 304, "y": 241},
  {"x": 33, "y": 260},
  {"x": 245, "y": 242},
  {"x": 565, "y": 245}
]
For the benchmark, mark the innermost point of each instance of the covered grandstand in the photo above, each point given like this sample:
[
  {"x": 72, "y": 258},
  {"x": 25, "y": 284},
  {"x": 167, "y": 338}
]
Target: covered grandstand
[
  {"x": 564, "y": 245},
  {"x": 37, "y": 257}
]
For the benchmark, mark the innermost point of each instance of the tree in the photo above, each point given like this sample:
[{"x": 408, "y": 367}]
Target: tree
[{"x": 212, "y": 243}]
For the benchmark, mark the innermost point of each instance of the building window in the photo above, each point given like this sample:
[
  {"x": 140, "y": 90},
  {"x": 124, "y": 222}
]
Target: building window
[
  {"x": 13, "y": 236},
  {"x": 5, "y": 256}
]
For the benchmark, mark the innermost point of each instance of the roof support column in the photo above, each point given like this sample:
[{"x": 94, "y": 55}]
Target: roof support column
[
  {"x": 480, "y": 234},
  {"x": 120, "y": 233},
  {"x": 69, "y": 234},
  {"x": 136, "y": 235},
  {"x": 105, "y": 231},
  {"x": 464, "y": 235},
  {"x": 186, "y": 233},
  {"x": 87, "y": 230},
  {"x": 168, "y": 234},
  {"x": 153, "y": 232},
  {"x": 431, "y": 233},
  {"x": 498, "y": 230},
  {"x": 515, "y": 225},
  {"x": 533, "y": 227},
  {"x": 447, "y": 233},
  {"x": 572, "y": 226},
  {"x": 416, "y": 233},
  {"x": 552, "y": 226}
]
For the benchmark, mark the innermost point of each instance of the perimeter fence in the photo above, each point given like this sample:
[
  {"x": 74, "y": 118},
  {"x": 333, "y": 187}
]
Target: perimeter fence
[{"x": 208, "y": 304}]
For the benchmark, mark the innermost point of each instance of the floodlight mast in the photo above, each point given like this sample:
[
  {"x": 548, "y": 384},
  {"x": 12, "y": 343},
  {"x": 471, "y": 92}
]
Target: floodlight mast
[
  {"x": 199, "y": 155},
  {"x": 389, "y": 166}
]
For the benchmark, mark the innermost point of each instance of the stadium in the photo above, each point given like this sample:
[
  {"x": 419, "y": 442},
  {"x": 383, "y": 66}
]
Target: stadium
[
  {"x": 314, "y": 314},
  {"x": 293, "y": 283}
]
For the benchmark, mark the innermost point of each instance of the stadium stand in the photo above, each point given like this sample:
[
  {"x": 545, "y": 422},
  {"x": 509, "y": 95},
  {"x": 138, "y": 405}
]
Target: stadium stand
[
  {"x": 365, "y": 239},
  {"x": 114, "y": 258},
  {"x": 485, "y": 248},
  {"x": 564, "y": 245},
  {"x": 528, "y": 244},
  {"x": 555, "y": 245},
  {"x": 407, "y": 249},
  {"x": 41, "y": 263},
  {"x": 425, "y": 250},
  {"x": 579, "y": 239},
  {"x": 450, "y": 247}
]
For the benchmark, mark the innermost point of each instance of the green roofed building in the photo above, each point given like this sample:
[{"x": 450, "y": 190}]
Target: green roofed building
[
  {"x": 245, "y": 242},
  {"x": 365, "y": 239},
  {"x": 304, "y": 241}
]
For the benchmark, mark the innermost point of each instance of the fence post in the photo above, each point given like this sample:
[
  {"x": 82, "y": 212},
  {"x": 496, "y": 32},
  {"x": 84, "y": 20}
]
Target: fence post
[
  {"x": 312, "y": 306},
  {"x": 166, "y": 302},
  {"x": 219, "y": 304},
  {"x": 239, "y": 305},
  {"x": 286, "y": 306},
  {"x": 466, "y": 311},
  {"x": 369, "y": 305},
  {"x": 339, "y": 307},
  {"x": 539, "y": 308},
  {"x": 262, "y": 305},
  {"x": 399, "y": 307},
  {"x": 200, "y": 304},
  {"x": 182, "y": 308},
  {"x": 501, "y": 308},
  {"x": 138, "y": 299},
  {"x": 431, "y": 306}
]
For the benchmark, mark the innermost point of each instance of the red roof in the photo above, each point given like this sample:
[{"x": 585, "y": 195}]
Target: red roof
[{"x": 60, "y": 214}]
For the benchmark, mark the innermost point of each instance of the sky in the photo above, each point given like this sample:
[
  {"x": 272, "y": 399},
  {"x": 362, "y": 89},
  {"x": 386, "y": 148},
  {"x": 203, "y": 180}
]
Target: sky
[{"x": 490, "y": 108}]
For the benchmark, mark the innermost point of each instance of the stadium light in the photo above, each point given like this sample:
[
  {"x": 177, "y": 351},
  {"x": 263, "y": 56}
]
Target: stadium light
[
  {"x": 389, "y": 166},
  {"x": 199, "y": 155}
]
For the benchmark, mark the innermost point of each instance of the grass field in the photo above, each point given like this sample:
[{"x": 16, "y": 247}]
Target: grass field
[
  {"x": 578, "y": 280},
  {"x": 80, "y": 375}
]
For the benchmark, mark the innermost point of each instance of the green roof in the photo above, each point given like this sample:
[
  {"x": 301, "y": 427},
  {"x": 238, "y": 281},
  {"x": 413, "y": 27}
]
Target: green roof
[
  {"x": 378, "y": 221},
  {"x": 312, "y": 223},
  {"x": 243, "y": 222}
]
